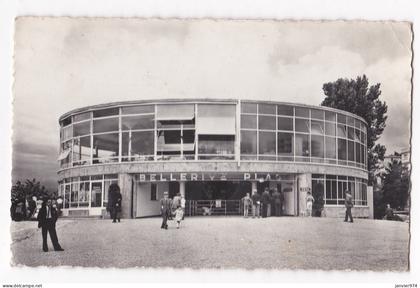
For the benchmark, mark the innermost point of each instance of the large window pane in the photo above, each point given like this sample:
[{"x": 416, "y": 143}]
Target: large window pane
[
  {"x": 81, "y": 116},
  {"x": 105, "y": 148},
  {"x": 80, "y": 129},
  {"x": 330, "y": 149},
  {"x": 350, "y": 121},
  {"x": 302, "y": 145},
  {"x": 317, "y": 114},
  {"x": 317, "y": 146},
  {"x": 285, "y": 143},
  {"x": 216, "y": 119},
  {"x": 143, "y": 109},
  {"x": 216, "y": 144},
  {"x": 342, "y": 149},
  {"x": 74, "y": 197},
  {"x": 285, "y": 110},
  {"x": 285, "y": 123},
  {"x": 138, "y": 122},
  {"x": 84, "y": 194},
  {"x": 301, "y": 112},
  {"x": 267, "y": 122},
  {"x": 358, "y": 157},
  {"x": 350, "y": 133},
  {"x": 330, "y": 129},
  {"x": 341, "y": 118},
  {"x": 317, "y": 127},
  {"x": 267, "y": 143},
  {"x": 341, "y": 131},
  {"x": 302, "y": 125},
  {"x": 350, "y": 150},
  {"x": 267, "y": 109},
  {"x": 168, "y": 112},
  {"x": 106, "y": 112},
  {"x": 249, "y": 108},
  {"x": 249, "y": 121},
  {"x": 105, "y": 125},
  {"x": 330, "y": 116},
  {"x": 81, "y": 150},
  {"x": 249, "y": 142},
  {"x": 140, "y": 146}
]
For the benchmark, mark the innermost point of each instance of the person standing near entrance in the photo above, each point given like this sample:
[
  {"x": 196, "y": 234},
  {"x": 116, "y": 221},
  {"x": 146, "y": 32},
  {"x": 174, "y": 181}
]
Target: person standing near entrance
[
  {"x": 309, "y": 203},
  {"x": 255, "y": 204},
  {"x": 348, "y": 202},
  {"x": 47, "y": 217},
  {"x": 165, "y": 209},
  {"x": 265, "y": 199},
  {"x": 277, "y": 202},
  {"x": 247, "y": 204}
]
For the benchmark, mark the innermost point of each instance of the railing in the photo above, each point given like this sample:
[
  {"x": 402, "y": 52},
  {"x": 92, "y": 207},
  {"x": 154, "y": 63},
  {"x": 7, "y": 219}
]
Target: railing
[{"x": 213, "y": 207}]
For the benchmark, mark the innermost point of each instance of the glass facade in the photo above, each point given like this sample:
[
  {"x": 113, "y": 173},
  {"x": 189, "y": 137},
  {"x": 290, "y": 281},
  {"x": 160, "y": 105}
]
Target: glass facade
[
  {"x": 333, "y": 188},
  {"x": 86, "y": 191},
  {"x": 209, "y": 131}
]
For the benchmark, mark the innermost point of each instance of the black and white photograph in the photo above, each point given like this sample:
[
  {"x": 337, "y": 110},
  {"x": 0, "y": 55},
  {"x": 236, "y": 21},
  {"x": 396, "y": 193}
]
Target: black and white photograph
[
  {"x": 211, "y": 144},
  {"x": 181, "y": 144}
]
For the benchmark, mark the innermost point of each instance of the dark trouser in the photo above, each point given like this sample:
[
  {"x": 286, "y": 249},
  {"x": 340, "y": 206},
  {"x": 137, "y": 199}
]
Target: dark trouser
[
  {"x": 165, "y": 215},
  {"x": 348, "y": 214},
  {"x": 113, "y": 214},
  {"x": 49, "y": 227},
  {"x": 277, "y": 207},
  {"x": 264, "y": 210}
]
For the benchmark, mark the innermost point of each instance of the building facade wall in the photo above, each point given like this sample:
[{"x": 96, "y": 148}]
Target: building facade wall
[{"x": 254, "y": 140}]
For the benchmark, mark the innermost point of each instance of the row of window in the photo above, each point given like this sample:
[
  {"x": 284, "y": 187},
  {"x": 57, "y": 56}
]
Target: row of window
[
  {"x": 208, "y": 132},
  {"x": 333, "y": 188},
  {"x": 86, "y": 191}
]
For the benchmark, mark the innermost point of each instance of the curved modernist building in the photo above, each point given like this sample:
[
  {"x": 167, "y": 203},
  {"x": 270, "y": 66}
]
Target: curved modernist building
[{"x": 213, "y": 152}]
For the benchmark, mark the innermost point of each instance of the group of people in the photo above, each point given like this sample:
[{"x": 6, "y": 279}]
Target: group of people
[
  {"x": 172, "y": 209},
  {"x": 270, "y": 203}
]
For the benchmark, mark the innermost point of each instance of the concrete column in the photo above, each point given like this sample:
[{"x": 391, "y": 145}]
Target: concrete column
[
  {"x": 305, "y": 185},
  {"x": 124, "y": 181},
  {"x": 370, "y": 201},
  {"x": 182, "y": 188}
]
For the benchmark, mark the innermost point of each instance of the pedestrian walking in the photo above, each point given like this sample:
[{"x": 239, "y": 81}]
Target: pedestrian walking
[
  {"x": 47, "y": 218},
  {"x": 309, "y": 203},
  {"x": 179, "y": 215},
  {"x": 165, "y": 209},
  {"x": 256, "y": 202},
  {"x": 265, "y": 199},
  {"x": 247, "y": 202},
  {"x": 348, "y": 202},
  {"x": 277, "y": 202}
]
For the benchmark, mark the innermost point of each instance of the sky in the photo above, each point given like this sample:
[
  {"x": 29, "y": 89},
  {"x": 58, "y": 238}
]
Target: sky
[{"x": 66, "y": 63}]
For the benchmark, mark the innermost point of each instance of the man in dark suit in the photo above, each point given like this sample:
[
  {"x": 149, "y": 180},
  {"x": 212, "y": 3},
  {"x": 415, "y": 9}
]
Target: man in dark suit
[
  {"x": 265, "y": 199},
  {"x": 47, "y": 217},
  {"x": 165, "y": 209},
  {"x": 348, "y": 202},
  {"x": 277, "y": 202}
]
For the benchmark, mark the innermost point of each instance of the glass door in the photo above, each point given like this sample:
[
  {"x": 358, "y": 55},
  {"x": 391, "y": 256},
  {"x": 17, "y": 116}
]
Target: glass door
[{"x": 96, "y": 194}]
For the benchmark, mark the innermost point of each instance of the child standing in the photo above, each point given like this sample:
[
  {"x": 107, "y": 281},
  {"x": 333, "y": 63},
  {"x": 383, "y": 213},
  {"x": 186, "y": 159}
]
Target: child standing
[{"x": 178, "y": 216}]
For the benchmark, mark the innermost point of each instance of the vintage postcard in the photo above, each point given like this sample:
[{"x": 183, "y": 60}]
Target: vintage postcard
[{"x": 211, "y": 144}]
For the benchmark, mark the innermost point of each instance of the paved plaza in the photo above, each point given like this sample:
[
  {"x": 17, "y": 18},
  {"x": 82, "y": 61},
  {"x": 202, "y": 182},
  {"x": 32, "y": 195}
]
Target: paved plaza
[{"x": 219, "y": 242}]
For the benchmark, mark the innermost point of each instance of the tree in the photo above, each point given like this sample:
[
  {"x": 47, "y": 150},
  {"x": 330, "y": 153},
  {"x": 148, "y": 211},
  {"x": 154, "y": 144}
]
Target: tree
[
  {"x": 23, "y": 192},
  {"x": 357, "y": 97},
  {"x": 395, "y": 185}
]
